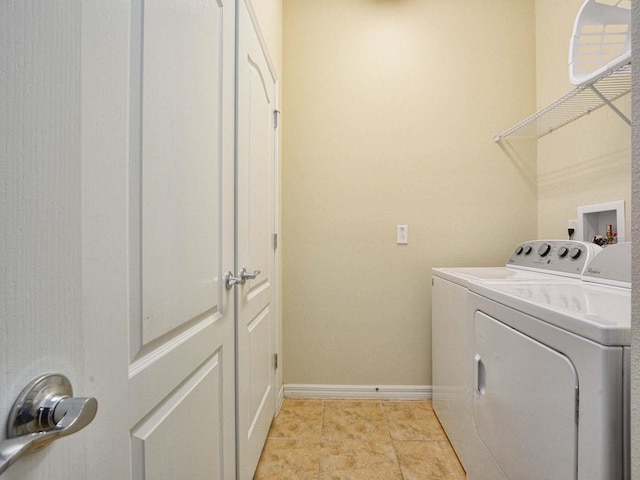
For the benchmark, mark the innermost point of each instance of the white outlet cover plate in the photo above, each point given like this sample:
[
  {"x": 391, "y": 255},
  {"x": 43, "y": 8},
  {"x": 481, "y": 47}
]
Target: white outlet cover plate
[{"x": 402, "y": 235}]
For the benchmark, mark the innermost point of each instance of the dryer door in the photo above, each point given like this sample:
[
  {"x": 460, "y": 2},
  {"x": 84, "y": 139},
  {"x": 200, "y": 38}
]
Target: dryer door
[{"x": 525, "y": 403}]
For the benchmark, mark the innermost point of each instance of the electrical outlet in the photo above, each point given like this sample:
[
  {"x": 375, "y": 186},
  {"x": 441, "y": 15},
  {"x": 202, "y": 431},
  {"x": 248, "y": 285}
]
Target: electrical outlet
[
  {"x": 573, "y": 225},
  {"x": 402, "y": 235}
]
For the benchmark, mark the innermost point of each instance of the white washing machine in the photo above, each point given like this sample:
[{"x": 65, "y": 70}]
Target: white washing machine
[
  {"x": 452, "y": 334},
  {"x": 551, "y": 374}
]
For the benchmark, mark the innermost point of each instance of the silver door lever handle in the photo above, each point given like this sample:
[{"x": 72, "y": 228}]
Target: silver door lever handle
[
  {"x": 230, "y": 280},
  {"x": 248, "y": 276},
  {"x": 44, "y": 412}
]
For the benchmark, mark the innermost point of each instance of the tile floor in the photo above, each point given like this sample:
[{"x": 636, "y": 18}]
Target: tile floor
[{"x": 313, "y": 439}]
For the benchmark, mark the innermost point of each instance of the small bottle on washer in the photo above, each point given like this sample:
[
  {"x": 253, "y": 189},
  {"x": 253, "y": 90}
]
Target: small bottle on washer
[{"x": 609, "y": 234}]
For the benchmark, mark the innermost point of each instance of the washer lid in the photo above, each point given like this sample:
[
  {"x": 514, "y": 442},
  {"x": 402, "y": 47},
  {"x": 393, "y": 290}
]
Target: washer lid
[
  {"x": 596, "y": 312},
  {"x": 464, "y": 275}
]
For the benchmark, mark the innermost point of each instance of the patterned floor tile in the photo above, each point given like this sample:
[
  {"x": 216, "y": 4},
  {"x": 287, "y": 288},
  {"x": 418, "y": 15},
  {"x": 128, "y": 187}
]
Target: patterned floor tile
[
  {"x": 412, "y": 421},
  {"x": 358, "y": 460},
  {"x": 349, "y": 420},
  {"x": 428, "y": 460},
  {"x": 284, "y": 459},
  {"x": 314, "y": 439},
  {"x": 298, "y": 419}
]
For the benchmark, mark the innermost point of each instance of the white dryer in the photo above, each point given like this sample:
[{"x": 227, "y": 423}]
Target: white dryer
[
  {"x": 452, "y": 334},
  {"x": 551, "y": 374}
]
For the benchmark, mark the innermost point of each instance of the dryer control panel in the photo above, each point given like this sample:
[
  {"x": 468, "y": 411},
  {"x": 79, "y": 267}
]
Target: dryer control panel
[{"x": 561, "y": 257}]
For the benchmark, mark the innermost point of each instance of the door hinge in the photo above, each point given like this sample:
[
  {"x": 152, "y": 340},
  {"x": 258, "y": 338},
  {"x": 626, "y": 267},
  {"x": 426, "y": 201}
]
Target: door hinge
[
  {"x": 276, "y": 114},
  {"x": 275, "y": 356},
  {"x": 577, "y": 405},
  {"x": 275, "y": 241}
]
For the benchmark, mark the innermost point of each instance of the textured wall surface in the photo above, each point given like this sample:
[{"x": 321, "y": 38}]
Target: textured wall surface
[
  {"x": 269, "y": 14},
  {"x": 389, "y": 110},
  {"x": 635, "y": 221}
]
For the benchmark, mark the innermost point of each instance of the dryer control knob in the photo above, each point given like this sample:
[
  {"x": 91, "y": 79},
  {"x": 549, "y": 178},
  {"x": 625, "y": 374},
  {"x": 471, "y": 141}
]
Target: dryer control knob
[
  {"x": 563, "y": 252},
  {"x": 575, "y": 252},
  {"x": 544, "y": 249},
  {"x": 527, "y": 250},
  {"x": 519, "y": 250}
]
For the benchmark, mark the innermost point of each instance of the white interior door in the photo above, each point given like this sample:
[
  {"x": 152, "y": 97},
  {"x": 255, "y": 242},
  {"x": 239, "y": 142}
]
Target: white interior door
[
  {"x": 117, "y": 225},
  {"x": 255, "y": 244},
  {"x": 182, "y": 335}
]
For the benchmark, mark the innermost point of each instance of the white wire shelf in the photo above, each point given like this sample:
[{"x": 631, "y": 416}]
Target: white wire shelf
[{"x": 577, "y": 103}]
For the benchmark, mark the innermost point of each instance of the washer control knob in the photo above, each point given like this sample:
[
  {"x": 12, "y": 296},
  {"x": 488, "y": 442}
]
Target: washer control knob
[
  {"x": 527, "y": 249},
  {"x": 575, "y": 252},
  {"x": 544, "y": 249},
  {"x": 519, "y": 250},
  {"x": 563, "y": 252}
]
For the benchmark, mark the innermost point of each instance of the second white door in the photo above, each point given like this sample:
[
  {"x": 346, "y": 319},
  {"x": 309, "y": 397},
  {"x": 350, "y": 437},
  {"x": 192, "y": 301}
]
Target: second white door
[{"x": 255, "y": 247}]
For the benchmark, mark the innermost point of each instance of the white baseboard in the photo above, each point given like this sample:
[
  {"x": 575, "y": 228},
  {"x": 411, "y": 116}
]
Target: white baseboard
[{"x": 379, "y": 392}]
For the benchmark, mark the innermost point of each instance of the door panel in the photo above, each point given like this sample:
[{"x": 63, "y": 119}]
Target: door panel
[
  {"x": 181, "y": 118},
  {"x": 255, "y": 249},
  {"x": 169, "y": 443},
  {"x": 260, "y": 355},
  {"x": 524, "y": 403},
  {"x": 156, "y": 375}
]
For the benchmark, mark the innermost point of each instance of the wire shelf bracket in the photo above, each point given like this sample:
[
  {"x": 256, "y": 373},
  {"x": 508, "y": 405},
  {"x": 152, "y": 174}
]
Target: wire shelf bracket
[{"x": 581, "y": 101}]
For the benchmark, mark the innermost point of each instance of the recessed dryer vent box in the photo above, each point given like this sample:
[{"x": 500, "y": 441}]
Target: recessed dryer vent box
[{"x": 593, "y": 220}]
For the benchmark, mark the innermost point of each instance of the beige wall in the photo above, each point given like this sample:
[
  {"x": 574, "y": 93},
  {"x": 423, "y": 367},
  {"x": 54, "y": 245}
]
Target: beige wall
[
  {"x": 389, "y": 109},
  {"x": 588, "y": 161},
  {"x": 269, "y": 14}
]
